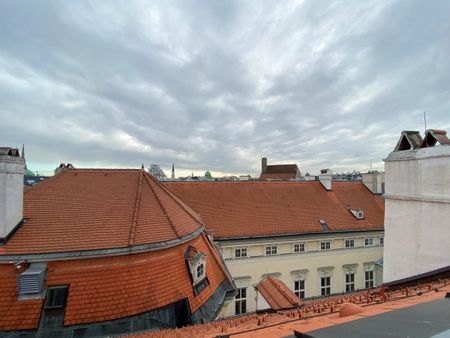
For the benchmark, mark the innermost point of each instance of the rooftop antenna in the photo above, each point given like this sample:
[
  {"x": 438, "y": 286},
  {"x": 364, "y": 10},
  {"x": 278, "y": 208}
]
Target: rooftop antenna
[{"x": 425, "y": 120}]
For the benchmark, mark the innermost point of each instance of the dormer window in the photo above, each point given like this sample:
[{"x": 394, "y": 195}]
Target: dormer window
[
  {"x": 358, "y": 213},
  {"x": 196, "y": 262}
]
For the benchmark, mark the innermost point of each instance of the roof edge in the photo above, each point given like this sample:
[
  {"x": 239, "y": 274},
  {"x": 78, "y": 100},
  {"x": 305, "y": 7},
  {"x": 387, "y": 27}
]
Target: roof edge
[
  {"x": 218, "y": 239},
  {"x": 96, "y": 253}
]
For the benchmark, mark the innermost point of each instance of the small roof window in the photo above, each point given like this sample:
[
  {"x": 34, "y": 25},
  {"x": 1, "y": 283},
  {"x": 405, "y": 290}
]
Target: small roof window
[{"x": 357, "y": 213}]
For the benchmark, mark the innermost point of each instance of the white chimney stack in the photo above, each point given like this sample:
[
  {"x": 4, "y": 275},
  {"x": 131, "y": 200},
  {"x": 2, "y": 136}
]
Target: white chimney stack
[
  {"x": 325, "y": 178},
  {"x": 11, "y": 191},
  {"x": 374, "y": 181}
]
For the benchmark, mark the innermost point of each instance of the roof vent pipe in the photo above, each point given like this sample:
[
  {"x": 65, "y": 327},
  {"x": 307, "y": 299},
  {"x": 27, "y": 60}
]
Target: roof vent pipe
[{"x": 325, "y": 178}]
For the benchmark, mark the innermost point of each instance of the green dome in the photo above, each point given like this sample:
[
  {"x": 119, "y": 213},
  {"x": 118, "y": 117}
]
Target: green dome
[
  {"x": 208, "y": 174},
  {"x": 28, "y": 172}
]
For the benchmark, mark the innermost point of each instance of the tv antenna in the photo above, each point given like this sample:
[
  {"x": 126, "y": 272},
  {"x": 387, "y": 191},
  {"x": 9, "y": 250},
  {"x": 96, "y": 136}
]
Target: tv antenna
[{"x": 425, "y": 119}]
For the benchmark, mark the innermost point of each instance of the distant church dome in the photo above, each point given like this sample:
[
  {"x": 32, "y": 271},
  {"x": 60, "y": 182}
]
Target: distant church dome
[{"x": 208, "y": 174}]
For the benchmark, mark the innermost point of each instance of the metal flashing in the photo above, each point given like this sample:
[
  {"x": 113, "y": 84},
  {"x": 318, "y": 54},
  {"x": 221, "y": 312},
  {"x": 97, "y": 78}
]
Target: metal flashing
[{"x": 44, "y": 257}]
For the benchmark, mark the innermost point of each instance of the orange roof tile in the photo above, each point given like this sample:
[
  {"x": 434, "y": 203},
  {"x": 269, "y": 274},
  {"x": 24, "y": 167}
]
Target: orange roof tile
[
  {"x": 108, "y": 288},
  {"x": 244, "y": 209},
  {"x": 314, "y": 315},
  {"x": 88, "y": 209},
  {"x": 277, "y": 294}
]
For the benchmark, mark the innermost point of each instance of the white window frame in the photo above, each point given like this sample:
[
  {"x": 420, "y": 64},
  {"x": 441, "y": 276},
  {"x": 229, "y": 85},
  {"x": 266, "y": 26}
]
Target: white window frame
[
  {"x": 301, "y": 247},
  {"x": 299, "y": 289},
  {"x": 271, "y": 250},
  {"x": 368, "y": 241},
  {"x": 349, "y": 284},
  {"x": 240, "y": 250},
  {"x": 325, "y": 290},
  {"x": 323, "y": 245},
  {"x": 369, "y": 282},
  {"x": 241, "y": 300},
  {"x": 350, "y": 240}
]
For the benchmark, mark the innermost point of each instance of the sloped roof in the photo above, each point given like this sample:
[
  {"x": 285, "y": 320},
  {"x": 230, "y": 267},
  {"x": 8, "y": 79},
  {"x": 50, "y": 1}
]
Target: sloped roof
[
  {"x": 280, "y": 171},
  {"x": 89, "y": 209},
  {"x": 247, "y": 209},
  {"x": 277, "y": 294},
  {"x": 107, "y": 288}
]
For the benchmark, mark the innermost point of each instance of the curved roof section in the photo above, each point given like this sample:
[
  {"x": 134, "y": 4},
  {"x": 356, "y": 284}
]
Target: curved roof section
[
  {"x": 94, "y": 209},
  {"x": 257, "y": 209},
  {"x": 107, "y": 288}
]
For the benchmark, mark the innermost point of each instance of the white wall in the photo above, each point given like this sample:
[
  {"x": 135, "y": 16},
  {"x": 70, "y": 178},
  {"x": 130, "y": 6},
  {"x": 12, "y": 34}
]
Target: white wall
[
  {"x": 417, "y": 212},
  {"x": 11, "y": 193},
  {"x": 288, "y": 266},
  {"x": 261, "y": 302}
]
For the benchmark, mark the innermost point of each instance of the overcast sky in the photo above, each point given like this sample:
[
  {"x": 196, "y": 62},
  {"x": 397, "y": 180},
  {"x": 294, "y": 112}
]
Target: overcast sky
[{"x": 219, "y": 84}]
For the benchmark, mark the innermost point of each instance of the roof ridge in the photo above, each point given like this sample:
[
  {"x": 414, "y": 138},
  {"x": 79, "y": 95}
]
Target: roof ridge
[
  {"x": 162, "y": 207},
  {"x": 177, "y": 201},
  {"x": 137, "y": 205}
]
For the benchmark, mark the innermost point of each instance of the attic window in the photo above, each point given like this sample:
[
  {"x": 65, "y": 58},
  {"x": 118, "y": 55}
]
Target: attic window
[
  {"x": 196, "y": 262},
  {"x": 358, "y": 213},
  {"x": 324, "y": 225},
  {"x": 30, "y": 283}
]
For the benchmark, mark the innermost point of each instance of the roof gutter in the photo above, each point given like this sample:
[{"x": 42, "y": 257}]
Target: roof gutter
[
  {"x": 244, "y": 238},
  {"x": 84, "y": 254}
]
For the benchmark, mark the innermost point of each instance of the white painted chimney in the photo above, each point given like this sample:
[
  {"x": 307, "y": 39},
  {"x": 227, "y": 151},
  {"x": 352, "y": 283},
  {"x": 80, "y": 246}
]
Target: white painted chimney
[
  {"x": 374, "y": 181},
  {"x": 11, "y": 190},
  {"x": 325, "y": 178}
]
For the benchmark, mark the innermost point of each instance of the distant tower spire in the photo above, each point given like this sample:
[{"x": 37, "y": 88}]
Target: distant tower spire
[
  {"x": 142, "y": 167},
  {"x": 23, "y": 151},
  {"x": 173, "y": 171}
]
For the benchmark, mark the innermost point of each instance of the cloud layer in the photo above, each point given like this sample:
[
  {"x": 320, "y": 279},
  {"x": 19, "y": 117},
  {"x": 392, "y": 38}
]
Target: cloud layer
[{"x": 217, "y": 85}]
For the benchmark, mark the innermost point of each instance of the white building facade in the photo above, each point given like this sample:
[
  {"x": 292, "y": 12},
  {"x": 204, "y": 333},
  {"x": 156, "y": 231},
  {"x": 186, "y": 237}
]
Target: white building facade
[
  {"x": 417, "y": 206},
  {"x": 310, "y": 265}
]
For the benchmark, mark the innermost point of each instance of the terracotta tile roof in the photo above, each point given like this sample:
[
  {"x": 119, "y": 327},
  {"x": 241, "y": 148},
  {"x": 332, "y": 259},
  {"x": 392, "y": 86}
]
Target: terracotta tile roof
[
  {"x": 277, "y": 294},
  {"x": 88, "y": 209},
  {"x": 280, "y": 172},
  {"x": 314, "y": 315},
  {"x": 108, "y": 288},
  {"x": 243, "y": 209}
]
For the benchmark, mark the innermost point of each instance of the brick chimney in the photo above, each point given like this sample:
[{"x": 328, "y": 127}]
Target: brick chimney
[
  {"x": 325, "y": 178},
  {"x": 263, "y": 165},
  {"x": 11, "y": 191}
]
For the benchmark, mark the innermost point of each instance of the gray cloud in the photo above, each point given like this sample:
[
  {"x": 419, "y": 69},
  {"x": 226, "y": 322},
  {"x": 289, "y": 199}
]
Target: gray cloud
[{"x": 218, "y": 85}]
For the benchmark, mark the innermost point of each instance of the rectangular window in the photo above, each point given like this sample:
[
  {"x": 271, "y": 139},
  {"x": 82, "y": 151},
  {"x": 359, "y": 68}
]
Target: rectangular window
[
  {"x": 349, "y": 243},
  {"x": 325, "y": 245},
  {"x": 54, "y": 306},
  {"x": 381, "y": 240},
  {"x": 368, "y": 241},
  {"x": 369, "y": 279},
  {"x": 349, "y": 282},
  {"x": 240, "y": 301},
  {"x": 299, "y": 247},
  {"x": 299, "y": 288},
  {"x": 325, "y": 286},
  {"x": 240, "y": 252},
  {"x": 271, "y": 250}
]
